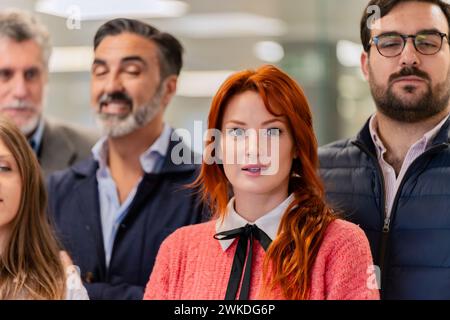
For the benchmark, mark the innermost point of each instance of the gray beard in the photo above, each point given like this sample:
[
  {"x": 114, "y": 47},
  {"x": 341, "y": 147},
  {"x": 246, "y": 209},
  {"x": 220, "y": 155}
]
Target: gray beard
[
  {"x": 431, "y": 103},
  {"x": 115, "y": 126},
  {"x": 31, "y": 125}
]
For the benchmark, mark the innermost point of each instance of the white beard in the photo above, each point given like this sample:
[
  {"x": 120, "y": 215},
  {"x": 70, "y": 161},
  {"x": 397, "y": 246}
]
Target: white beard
[{"x": 31, "y": 125}]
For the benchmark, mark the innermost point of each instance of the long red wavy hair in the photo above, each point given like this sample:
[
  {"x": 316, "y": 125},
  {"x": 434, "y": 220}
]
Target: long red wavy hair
[{"x": 291, "y": 255}]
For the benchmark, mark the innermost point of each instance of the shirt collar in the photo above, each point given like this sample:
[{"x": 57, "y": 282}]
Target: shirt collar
[
  {"x": 425, "y": 141},
  {"x": 373, "y": 127},
  {"x": 100, "y": 152},
  {"x": 160, "y": 146},
  {"x": 268, "y": 223},
  {"x": 36, "y": 139}
]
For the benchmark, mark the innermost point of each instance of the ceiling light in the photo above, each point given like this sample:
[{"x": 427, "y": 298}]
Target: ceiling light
[
  {"x": 222, "y": 25},
  {"x": 348, "y": 53},
  {"x": 102, "y": 9},
  {"x": 201, "y": 83},
  {"x": 269, "y": 51},
  {"x": 71, "y": 59}
]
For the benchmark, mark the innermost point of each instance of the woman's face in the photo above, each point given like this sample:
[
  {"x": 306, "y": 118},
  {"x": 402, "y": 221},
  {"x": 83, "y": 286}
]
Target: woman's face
[
  {"x": 10, "y": 188},
  {"x": 257, "y": 147}
]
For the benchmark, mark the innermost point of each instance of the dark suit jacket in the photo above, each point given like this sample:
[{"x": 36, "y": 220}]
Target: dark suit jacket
[
  {"x": 161, "y": 205},
  {"x": 63, "y": 145}
]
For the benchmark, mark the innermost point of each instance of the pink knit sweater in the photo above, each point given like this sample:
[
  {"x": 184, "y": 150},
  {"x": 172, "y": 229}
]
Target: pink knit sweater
[{"x": 191, "y": 264}]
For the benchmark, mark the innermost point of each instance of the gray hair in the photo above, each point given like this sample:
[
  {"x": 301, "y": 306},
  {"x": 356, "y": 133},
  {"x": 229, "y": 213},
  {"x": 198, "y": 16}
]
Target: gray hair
[{"x": 21, "y": 26}]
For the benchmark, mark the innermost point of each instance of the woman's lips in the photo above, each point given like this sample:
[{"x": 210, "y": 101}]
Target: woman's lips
[{"x": 253, "y": 170}]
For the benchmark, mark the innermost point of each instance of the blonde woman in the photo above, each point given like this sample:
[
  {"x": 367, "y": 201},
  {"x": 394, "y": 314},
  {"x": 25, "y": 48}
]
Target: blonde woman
[{"x": 31, "y": 263}]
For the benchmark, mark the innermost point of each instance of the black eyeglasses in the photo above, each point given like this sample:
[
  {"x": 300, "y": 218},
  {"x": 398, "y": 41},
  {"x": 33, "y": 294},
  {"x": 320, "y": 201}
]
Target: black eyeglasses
[{"x": 392, "y": 44}]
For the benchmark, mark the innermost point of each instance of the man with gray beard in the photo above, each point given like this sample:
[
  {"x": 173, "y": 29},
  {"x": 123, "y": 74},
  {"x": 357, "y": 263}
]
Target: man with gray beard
[
  {"x": 25, "y": 51},
  {"x": 113, "y": 210},
  {"x": 393, "y": 179}
]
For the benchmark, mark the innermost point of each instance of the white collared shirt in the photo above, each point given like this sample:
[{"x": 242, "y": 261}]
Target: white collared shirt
[{"x": 268, "y": 223}]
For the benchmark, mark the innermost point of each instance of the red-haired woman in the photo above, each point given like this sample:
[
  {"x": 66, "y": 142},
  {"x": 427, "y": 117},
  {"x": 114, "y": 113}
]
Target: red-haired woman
[{"x": 275, "y": 238}]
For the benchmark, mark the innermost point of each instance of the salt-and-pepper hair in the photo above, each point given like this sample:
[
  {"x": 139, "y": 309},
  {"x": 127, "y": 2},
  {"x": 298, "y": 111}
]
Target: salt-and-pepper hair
[{"x": 20, "y": 25}]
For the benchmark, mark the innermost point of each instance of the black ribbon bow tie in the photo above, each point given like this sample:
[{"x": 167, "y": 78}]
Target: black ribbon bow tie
[{"x": 249, "y": 232}]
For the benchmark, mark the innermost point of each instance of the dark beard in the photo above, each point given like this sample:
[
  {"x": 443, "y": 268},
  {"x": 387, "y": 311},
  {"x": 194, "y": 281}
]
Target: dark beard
[{"x": 432, "y": 102}]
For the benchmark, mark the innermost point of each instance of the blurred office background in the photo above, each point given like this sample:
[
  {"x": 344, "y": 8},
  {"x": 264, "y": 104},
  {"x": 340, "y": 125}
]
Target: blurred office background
[{"x": 315, "y": 41}]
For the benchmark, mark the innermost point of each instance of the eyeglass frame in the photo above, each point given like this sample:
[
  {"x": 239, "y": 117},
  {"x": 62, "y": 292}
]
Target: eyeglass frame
[{"x": 405, "y": 38}]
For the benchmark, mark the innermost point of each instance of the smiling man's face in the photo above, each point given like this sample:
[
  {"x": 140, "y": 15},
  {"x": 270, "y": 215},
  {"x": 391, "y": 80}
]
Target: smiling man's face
[{"x": 126, "y": 85}]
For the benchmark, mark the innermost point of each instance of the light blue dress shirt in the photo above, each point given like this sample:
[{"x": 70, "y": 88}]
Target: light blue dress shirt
[{"x": 112, "y": 212}]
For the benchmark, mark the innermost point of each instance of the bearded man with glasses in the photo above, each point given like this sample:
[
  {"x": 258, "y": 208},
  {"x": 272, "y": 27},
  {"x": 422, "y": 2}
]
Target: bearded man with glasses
[{"x": 394, "y": 177}]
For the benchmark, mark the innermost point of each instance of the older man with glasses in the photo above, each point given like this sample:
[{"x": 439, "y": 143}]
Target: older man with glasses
[{"x": 394, "y": 177}]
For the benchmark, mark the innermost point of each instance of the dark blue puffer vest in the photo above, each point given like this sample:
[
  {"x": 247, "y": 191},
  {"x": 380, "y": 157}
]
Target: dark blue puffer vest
[{"x": 413, "y": 247}]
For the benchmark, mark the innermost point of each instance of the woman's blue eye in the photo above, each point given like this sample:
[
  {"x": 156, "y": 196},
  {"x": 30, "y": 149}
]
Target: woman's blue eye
[
  {"x": 236, "y": 132},
  {"x": 273, "y": 132}
]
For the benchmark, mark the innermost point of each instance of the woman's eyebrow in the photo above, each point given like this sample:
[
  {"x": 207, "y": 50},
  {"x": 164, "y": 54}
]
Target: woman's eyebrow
[
  {"x": 237, "y": 122},
  {"x": 272, "y": 121}
]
